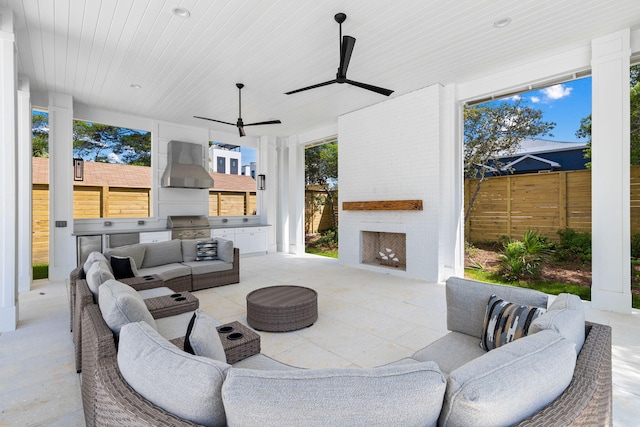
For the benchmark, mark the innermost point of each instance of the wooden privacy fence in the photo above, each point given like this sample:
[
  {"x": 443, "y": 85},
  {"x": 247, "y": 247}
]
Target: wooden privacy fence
[
  {"x": 317, "y": 216},
  {"x": 546, "y": 202}
]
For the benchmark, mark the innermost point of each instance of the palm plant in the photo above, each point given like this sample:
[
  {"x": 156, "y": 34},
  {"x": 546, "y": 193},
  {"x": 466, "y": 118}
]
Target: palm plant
[{"x": 523, "y": 258}]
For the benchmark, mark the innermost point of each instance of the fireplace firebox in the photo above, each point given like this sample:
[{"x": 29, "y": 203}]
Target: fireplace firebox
[{"x": 384, "y": 249}]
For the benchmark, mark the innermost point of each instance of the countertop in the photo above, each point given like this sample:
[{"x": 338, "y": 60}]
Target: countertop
[{"x": 151, "y": 229}]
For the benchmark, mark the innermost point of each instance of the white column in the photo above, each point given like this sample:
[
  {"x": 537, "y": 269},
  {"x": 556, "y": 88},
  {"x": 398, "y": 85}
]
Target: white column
[
  {"x": 611, "y": 286},
  {"x": 24, "y": 187},
  {"x": 8, "y": 176},
  {"x": 282, "y": 218},
  {"x": 268, "y": 198},
  {"x": 296, "y": 196},
  {"x": 451, "y": 254},
  {"x": 61, "y": 243}
]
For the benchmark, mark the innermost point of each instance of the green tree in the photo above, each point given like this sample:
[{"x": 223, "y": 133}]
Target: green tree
[
  {"x": 321, "y": 168},
  {"x": 584, "y": 131},
  {"x": 40, "y": 134},
  {"x": 110, "y": 144},
  {"x": 493, "y": 130}
]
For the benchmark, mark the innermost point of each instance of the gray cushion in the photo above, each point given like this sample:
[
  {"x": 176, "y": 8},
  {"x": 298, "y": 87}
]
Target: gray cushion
[
  {"x": 225, "y": 250},
  {"x": 185, "y": 385},
  {"x": 120, "y": 304},
  {"x": 565, "y": 316},
  {"x": 155, "y": 292},
  {"x": 166, "y": 271},
  {"x": 93, "y": 257},
  {"x": 173, "y": 327},
  {"x": 98, "y": 274},
  {"x": 451, "y": 351},
  {"x": 505, "y": 321},
  {"x": 334, "y": 397},
  {"x": 467, "y": 302},
  {"x": 161, "y": 253},
  {"x": 264, "y": 363},
  {"x": 510, "y": 383},
  {"x": 204, "y": 267},
  {"x": 189, "y": 250},
  {"x": 136, "y": 251},
  {"x": 202, "y": 338}
]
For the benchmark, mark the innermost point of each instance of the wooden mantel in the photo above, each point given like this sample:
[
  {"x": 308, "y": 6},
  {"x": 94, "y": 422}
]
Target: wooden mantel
[{"x": 383, "y": 205}]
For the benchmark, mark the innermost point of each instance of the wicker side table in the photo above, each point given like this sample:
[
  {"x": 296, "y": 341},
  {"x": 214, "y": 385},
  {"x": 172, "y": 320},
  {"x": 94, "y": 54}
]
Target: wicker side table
[
  {"x": 140, "y": 283},
  {"x": 170, "y": 305},
  {"x": 282, "y": 308},
  {"x": 238, "y": 348}
]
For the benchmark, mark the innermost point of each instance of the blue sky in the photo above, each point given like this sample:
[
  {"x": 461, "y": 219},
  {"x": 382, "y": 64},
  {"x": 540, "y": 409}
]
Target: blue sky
[{"x": 565, "y": 104}]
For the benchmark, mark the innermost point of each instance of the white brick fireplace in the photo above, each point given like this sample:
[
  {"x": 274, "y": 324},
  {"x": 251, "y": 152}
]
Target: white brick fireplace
[{"x": 392, "y": 151}]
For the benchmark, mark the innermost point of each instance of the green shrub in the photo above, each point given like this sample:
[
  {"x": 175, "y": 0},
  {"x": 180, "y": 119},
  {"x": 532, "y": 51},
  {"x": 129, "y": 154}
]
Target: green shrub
[
  {"x": 574, "y": 246},
  {"x": 328, "y": 239},
  {"x": 522, "y": 259},
  {"x": 635, "y": 245}
]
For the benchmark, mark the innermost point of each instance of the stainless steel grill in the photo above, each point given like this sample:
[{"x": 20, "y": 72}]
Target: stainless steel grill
[{"x": 188, "y": 227}]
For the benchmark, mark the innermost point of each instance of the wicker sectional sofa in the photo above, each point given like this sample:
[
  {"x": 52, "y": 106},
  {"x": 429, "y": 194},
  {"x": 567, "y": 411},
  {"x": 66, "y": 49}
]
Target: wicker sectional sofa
[{"x": 558, "y": 376}]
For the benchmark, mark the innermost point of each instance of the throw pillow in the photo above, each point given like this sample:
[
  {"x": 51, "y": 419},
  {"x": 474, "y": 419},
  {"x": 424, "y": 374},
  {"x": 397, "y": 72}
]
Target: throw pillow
[
  {"x": 505, "y": 322},
  {"x": 123, "y": 267},
  {"x": 185, "y": 385},
  {"x": 136, "y": 251},
  {"x": 207, "y": 250},
  {"x": 121, "y": 304},
  {"x": 202, "y": 338},
  {"x": 98, "y": 274}
]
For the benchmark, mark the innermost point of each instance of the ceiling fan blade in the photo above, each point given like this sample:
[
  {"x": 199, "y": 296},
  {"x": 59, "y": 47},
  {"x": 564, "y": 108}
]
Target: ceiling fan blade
[
  {"x": 241, "y": 130},
  {"x": 270, "y": 122},
  {"x": 214, "y": 120},
  {"x": 312, "y": 87},
  {"x": 380, "y": 90},
  {"x": 346, "y": 49}
]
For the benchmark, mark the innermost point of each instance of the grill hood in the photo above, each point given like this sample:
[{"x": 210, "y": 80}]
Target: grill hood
[{"x": 184, "y": 167}]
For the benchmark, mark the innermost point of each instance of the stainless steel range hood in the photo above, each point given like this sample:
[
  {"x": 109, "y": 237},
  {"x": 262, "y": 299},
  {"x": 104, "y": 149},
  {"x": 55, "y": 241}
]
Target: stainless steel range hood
[{"x": 184, "y": 167}]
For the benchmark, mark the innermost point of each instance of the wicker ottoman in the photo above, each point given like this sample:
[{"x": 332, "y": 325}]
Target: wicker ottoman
[{"x": 282, "y": 308}]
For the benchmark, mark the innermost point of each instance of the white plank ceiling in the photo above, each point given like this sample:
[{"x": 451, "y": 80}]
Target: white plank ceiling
[{"x": 95, "y": 49}]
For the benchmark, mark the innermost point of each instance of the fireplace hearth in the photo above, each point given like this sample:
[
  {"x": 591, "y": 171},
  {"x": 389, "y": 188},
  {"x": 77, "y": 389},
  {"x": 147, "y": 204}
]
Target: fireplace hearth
[{"x": 384, "y": 249}]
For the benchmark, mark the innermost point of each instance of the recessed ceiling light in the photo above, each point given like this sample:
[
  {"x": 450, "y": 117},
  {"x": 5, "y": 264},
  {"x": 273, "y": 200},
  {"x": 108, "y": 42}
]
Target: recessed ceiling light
[
  {"x": 503, "y": 22},
  {"x": 181, "y": 12},
  {"x": 135, "y": 86}
]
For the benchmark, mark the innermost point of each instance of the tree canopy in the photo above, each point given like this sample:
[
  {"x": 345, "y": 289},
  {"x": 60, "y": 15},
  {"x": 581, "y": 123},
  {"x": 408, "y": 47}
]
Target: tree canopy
[
  {"x": 494, "y": 130},
  {"x": 321, "y": 165}
]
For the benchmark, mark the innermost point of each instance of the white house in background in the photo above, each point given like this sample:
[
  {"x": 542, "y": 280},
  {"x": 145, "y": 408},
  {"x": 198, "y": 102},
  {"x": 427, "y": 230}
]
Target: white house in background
[{"x": 225, "y": 158}]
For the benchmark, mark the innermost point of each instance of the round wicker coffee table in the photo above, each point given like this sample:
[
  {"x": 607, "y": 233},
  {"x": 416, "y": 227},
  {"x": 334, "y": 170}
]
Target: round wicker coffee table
[{"x": 282, "y": 308}]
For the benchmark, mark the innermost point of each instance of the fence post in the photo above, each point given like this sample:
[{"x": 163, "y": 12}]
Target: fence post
[
  {"x": 104, "y": 206},
  {"x": 509, "y": 207},
  {"x": 562, "y": 200}
]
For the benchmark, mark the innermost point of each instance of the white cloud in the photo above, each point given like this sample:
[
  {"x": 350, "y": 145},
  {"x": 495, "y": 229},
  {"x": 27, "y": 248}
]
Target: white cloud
[
  {"x": 556, "y": 91},
  {"x": 515, "y": 98},
  {"x": 535, "y": 99},
  {"x": 113, "y": 158}
]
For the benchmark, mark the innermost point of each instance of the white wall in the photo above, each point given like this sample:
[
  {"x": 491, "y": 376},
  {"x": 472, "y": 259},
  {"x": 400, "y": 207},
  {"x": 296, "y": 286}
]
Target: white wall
[{"x": 391, "y": 151}]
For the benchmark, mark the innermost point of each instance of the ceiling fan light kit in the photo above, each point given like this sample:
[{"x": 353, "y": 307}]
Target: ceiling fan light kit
[{"x": 347, "y": 44}]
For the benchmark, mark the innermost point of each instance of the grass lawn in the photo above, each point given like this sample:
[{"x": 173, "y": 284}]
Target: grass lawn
[
  {"x": 322, "y": 252},
  {"x": 548, "y": 287},
  {"x": 40, "y": 271}
]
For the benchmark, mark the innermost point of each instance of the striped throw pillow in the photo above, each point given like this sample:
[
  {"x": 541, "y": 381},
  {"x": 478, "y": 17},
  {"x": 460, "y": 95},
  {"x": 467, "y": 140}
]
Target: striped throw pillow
[
  {"x": 207, "y": 250},
  {"x": 505, "y": 322}
]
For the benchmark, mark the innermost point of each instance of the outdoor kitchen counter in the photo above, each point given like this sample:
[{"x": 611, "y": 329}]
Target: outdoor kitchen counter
[{"x": 155, "y": 229}]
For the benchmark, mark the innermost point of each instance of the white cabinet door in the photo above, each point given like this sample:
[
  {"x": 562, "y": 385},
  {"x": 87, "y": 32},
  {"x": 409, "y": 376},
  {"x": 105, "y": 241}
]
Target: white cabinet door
[
  {"x": 155, "y": 236},
  {"x": 225, "y": 233},
  {"x": 252, "y": 239}
]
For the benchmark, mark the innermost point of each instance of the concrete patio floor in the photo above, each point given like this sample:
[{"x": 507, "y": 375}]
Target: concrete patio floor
[{"x": 365, "y": 319}]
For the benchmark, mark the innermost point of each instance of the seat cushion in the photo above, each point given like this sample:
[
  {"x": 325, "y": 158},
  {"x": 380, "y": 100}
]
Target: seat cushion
[
  {"x": 505, "y": 321},
  {"x": 173, "y": 327},
  {"x": 120, "y": 304},
  {"x": 98, "y": 274},
  {"x": 510, "y": 383},
  {"x": 166, "y": 271},
  {"x": 202, "y": 338},
  {"x": 467, "y": 302},
  {"x": 155, "y": 292},
  {"x": 334, "y": 397},
  {"x": 135, "y": 251},
  {"x": 451, "y": 351},
  {"x": 565, "y": 316},
  {"x": 162, "y": 253},
  {"x": 185, "y": 385},
  {"x": 205, "y": 267},
  {"x": 263, "y": 363}
]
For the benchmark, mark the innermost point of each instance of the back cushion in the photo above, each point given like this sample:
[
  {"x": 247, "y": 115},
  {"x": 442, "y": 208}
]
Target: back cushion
[
  {"x": 93, "y": 257},
  {"x": 225, "y": 250},
  {"x": 136, "y": 251},
  {"x": 162, "y": 253},
  {"x": 467, "y": 302},
  {"x": 189, "y": 250},
  {"x": 98, "y": 274},
  {"x": 120, "y": 304},
  {"x": 185, "y": 385},
  {"x": 510, "y": 383},
  {"x": 338, "y": 397},
  {"x": 566, "y": 317}
]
